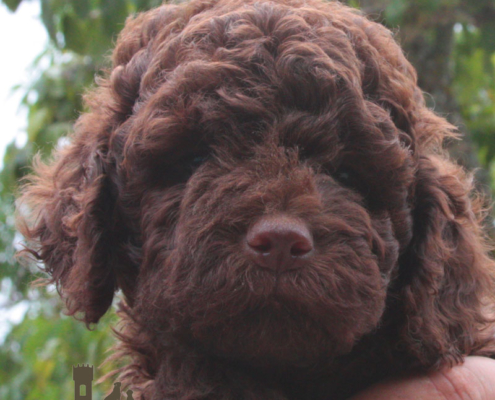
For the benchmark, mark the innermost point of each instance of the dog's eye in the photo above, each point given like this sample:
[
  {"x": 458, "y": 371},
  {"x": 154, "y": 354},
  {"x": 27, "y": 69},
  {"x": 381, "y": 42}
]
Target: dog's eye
[
  {"x": 347, "y": 178},
  {"x": 184, "y": 168},
  {"x": 344, "y": 176},
  {"x": 192, "y": 163}
]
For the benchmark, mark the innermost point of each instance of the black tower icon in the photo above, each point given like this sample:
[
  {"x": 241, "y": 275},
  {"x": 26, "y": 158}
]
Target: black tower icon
[{"x": 83, "y": 378}]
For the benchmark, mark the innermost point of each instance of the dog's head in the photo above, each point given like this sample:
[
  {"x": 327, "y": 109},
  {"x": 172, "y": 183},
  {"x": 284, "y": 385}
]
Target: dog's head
[{"x": 264, "y": 179}]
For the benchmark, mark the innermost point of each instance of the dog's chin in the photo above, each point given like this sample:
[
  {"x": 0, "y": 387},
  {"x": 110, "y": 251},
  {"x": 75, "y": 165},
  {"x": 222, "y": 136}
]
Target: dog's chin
[
  {"x": 273, "y": 337},
  {"x": 281, "y": 324}
]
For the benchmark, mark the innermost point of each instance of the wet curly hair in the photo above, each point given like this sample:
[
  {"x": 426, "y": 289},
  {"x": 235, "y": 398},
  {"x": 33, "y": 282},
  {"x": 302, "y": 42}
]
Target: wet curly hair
[{"x": 264, "y": 183}]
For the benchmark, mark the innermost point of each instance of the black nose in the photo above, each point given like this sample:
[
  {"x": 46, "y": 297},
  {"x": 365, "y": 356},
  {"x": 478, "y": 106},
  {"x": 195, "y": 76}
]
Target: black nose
[{"x": 279, "y": 243}]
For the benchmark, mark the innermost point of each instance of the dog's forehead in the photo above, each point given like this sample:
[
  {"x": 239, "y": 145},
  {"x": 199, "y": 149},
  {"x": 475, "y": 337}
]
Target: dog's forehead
[{"x": 277, "y": 71}]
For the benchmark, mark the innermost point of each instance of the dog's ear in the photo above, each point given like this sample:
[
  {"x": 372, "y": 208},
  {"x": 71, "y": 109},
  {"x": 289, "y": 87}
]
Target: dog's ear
[
  {"x": 446, "y": 275},
  {"x": 67, "y": 213}
]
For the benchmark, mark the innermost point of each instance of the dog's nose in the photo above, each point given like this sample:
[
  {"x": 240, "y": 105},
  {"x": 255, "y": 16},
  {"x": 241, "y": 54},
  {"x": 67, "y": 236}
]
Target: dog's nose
[{"x": 279, "y": 243}]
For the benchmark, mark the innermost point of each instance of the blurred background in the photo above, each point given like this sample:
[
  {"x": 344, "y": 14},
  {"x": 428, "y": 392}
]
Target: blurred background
[{"x": 51, "y": 51}]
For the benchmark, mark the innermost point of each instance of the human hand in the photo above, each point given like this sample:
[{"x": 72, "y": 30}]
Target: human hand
[{"x": 473, "y": 380}]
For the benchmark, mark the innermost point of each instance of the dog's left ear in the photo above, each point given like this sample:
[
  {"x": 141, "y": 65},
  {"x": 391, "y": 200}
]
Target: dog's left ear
[
  {"x": 446, "y": 275},
  {"x": 69, "y": 218}
]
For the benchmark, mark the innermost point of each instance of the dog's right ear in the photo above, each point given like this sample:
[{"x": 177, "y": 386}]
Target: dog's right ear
[{"x": 67, "y": 214}]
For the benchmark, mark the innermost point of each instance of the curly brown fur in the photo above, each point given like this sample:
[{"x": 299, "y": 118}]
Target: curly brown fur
[{"x": 217, "y": 114}]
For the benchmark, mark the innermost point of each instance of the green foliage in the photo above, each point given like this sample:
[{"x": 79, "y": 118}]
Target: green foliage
[
  {"x": 83, "y": 26},
  {"x": 474, "y": 86},
  {"x": 12, "y": 4},
  {"x": 86, "y": 27},
  {"x": 38, "y": 354}
]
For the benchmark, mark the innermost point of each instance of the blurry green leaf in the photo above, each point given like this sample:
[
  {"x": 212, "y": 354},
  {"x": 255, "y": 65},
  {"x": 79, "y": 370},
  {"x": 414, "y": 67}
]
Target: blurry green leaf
[
  {"x": 12, "y": 4},
  {"x": 142, "y": 5},
  {"x": 37, "y": 121},
  {"x": 114, "y": 13},
  {"x": 353, "y": 3},
  {"x": 74, "y": 31},
  {"x": 430, "y": 6},
  {"x": 487, "y": 37},
  {"x": 48, "y": 18},
  {"x": 81, "y": 8},
  {"x": 395, "y": 10}
]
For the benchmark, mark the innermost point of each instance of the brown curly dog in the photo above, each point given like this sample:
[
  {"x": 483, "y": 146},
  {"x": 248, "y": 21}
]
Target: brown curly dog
[{"x": 263, "y": 182}]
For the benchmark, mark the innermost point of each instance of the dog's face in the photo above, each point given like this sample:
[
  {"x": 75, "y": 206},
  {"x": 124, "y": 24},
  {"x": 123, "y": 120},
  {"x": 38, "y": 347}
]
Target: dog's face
[
  {"x": 271, "y": 248},
  {"x": 259, "y": 179}
]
